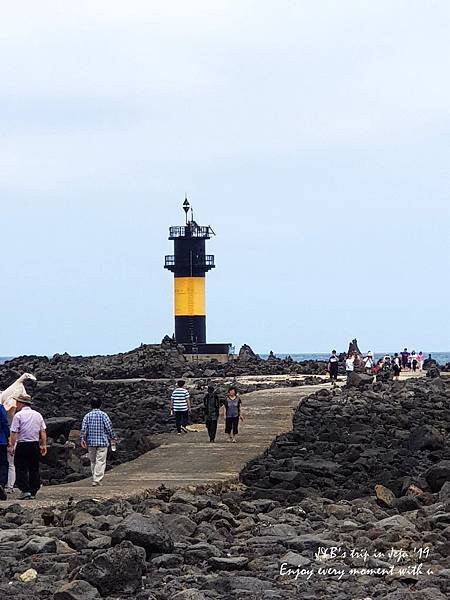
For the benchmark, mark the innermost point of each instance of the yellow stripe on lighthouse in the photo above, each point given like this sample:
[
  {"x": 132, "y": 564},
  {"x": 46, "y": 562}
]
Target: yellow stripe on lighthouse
[{"x": 190, "y": 297}]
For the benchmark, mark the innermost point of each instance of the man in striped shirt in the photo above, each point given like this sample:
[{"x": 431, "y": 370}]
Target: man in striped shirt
[{"x": 180, "y": 406}]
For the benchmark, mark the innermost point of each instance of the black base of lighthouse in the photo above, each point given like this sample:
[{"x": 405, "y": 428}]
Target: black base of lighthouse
[
  {"x": 207, "y": 350},
  {"x": 190, "y": 330}
]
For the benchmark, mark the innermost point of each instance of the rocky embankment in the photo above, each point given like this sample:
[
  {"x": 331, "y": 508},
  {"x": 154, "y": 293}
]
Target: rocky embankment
[
  {"x": 147, "y": 361},
  {"x": 347, "y": 440},
  {"x": 165, "y": 360},
  {"x": 313, "y": 489}
]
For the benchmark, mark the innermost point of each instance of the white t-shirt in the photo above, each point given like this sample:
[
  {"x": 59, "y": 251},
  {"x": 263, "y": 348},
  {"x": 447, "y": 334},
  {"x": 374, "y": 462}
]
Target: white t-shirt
[{"x": 349, "y": 366}]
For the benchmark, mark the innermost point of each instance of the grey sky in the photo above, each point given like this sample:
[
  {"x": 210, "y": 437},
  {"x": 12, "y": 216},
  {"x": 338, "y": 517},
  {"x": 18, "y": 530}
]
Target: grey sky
[{"x": 313, "y": 137}]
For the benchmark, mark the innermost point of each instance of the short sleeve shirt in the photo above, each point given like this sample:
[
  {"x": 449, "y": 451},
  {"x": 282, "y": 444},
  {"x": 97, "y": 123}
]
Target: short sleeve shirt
[
  {"x": 180, "y": 398},
  {"x": 28, "y": 424}
]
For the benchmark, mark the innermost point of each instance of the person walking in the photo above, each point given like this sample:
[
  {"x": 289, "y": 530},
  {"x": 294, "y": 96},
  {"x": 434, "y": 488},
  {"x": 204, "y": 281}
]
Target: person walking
[
  {"x": 350, "y": 365},
  {"x": 420, "y": 360},
  {"x": 96, "y": 435},
  {"x": 414, "y": 361},
  {"x": 211, "y": 404},
  {"x": 333, "y": 366},
  {"x": 7, "y": 398},
  {"x": 180, "y": 406},
  {"x": 396, "y": 366},
  {"x": 4, "y": 441},
  {"x": 405, "y": 358},
  {"x": 233, "y": 415},
  {"x": 27, "y": 443},
  {"x": 369, "y": 363}
]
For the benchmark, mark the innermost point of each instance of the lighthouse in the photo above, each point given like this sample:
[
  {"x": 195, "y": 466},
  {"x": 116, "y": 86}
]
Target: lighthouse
[{"x": 189, "y": 264}]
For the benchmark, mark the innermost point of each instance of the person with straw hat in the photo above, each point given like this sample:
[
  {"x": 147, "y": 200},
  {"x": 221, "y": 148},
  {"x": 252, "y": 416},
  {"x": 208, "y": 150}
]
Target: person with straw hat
[{"x": 27, "y": 443}]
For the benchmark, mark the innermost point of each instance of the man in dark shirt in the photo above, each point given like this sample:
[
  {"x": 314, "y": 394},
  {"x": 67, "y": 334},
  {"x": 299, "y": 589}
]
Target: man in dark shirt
[
  {"x": 211, "y": 404},
  {"x": 405, "y": 358},
  {"x": 333, "y": 366}
]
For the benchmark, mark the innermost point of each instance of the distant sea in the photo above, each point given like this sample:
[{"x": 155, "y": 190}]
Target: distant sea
[{"x": 441, "y": 357}]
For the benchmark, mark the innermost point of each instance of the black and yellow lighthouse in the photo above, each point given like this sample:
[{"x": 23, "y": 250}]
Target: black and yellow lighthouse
[{"x": 189, "y": 264}]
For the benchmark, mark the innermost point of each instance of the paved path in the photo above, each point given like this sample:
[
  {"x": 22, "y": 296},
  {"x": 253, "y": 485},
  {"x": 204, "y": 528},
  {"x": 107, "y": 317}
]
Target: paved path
[{"x": 190, "y": 459}]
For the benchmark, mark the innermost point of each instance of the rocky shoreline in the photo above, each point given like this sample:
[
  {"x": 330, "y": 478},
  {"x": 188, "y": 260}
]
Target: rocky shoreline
[
  {"x": 346, "y": 440},
  {"x": 314, "y": 488},
  {"x": 155, "y": 361}
]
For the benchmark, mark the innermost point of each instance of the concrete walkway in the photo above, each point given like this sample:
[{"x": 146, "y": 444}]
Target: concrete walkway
[{"x": 189, "y": 459}]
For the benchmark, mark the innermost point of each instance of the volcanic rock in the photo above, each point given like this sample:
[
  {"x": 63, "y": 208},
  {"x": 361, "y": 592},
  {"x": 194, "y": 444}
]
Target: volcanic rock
[
  {"x": 294, "y": 560},
  {"x": 359, "y": 380},
  {"x": 385, "y": 495},
  {"x": 444, "y": 494},
  {"x": 76, "y": 590},
  {"x": 200, "y": 552},
  {"x": 425, "y": 437},
  {"x": 437, "y": 475},
  {"x": 167, "y": 561},
  {"x": 57, "y": 426},
  {"x": 234, "y": 563},
  {"x": 433, "y": 372},
  {"x": 39, "y": 545},
  {"x": 117, "y": 570},
  {"x": 145, "y": 531},
  {"x": 246, "y": 353}
]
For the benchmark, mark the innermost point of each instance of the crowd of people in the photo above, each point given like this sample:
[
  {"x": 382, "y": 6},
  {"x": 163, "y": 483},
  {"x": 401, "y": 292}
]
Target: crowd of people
[
  {"x": 23, "y": 436},
  {"x": 400, "y": 361}
]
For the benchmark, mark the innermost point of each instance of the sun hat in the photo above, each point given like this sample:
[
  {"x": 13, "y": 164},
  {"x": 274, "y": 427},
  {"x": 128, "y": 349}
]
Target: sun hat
[{"x": 24, "y": 398}]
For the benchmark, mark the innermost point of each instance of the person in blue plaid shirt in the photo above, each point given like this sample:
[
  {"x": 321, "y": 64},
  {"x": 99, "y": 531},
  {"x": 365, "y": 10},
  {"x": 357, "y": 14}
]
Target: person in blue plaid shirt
[{"x": 96, "y": 434}]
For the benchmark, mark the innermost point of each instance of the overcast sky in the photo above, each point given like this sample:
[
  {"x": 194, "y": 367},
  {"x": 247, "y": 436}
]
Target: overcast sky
[{"x": 314, "y": 136}]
